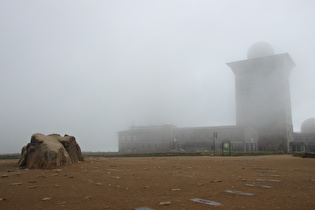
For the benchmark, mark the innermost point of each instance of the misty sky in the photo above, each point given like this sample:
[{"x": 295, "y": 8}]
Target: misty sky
[{"x": 92, "y": 68}]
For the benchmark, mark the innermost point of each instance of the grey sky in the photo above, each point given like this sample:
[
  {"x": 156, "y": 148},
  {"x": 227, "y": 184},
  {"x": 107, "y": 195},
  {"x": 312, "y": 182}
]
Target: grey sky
[{"x": 92, "y": 68}]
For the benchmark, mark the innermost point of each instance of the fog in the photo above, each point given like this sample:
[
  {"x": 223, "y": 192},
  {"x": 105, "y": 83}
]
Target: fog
[{"x": 92, "y": 68}]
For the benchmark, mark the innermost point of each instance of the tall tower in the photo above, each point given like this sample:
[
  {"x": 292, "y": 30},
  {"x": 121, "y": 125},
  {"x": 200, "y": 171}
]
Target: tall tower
[{"x": 263, "y": 96}]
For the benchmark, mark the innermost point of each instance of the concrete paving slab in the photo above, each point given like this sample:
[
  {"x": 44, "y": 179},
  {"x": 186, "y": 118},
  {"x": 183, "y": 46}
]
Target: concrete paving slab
[
  {"x": 239, "y": 192},
  {"x": 268, "y": 180},
  {"x": 212, "y": 203},
  {"x": 143, "y": 208},
  {"x": 255, "y": 168},
  {"x": 257, "y": 185}
]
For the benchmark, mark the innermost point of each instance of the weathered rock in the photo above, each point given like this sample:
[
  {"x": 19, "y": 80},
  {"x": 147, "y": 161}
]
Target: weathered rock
[
  {"x": 215, "y": 181},
  {"x": 50, "y": 151},
  {"x": 71, "y": 146},
  {"x": 88, "y": 197}
]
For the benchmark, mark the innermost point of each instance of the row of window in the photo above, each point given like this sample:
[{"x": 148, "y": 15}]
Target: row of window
[{"x": 189, "y": 136}]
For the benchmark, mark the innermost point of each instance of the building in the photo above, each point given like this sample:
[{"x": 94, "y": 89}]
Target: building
[
  {"x": 263, "y": 96},
  {"x": 146, "y": 138},
  {"x": 263, "y": 113},
  {"x": 305, "y": 140},
  {"x": 169, "y": 137}
]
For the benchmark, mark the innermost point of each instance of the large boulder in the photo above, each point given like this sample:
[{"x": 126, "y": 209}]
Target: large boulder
[
  {"x": 71, "y": 146},
  {"x": 50, "y": 151}
]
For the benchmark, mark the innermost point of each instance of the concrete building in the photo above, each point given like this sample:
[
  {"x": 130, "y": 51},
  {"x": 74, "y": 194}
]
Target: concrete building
[
  {"x": 170, "y": 137},
  {"x": 263, "y": 113},
  {"x": 145, "y": 138},
  {"x": 305, "y": 140},
  {"x": 263, "y": 96}
]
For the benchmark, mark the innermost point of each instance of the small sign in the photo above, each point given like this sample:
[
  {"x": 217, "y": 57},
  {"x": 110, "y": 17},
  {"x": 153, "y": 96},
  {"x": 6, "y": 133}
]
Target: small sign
[
  {"x": 238, "y": 192},
  {"x": 226, "y": 147},
  {"x": 212, "y": 203},
  {"x": 226, "y": 144}
]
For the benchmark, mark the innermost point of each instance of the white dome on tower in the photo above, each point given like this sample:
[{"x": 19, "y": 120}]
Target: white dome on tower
[
  {"x": 308, "y": 126},
  {"x": 260, "y": 49}
]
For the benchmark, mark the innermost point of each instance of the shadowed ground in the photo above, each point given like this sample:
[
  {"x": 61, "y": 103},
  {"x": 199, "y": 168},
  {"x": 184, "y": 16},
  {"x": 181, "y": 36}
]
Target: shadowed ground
[{"x": 127, "y": 183}]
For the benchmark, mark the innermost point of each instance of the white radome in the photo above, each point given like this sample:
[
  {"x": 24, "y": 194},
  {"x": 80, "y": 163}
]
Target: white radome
[{"x": 260, "y": 49}]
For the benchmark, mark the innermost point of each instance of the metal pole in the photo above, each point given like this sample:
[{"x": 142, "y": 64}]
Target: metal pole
[
  {"x": 171, "y": 137},
  {"x": 214, "y": 137}
]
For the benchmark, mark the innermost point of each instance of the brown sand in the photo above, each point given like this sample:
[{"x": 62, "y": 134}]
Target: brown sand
[{"x": 128, "y": 183}]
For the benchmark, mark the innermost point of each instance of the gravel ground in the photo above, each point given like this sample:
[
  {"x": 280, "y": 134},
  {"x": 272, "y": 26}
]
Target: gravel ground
[{"x": 163, "y": 183}]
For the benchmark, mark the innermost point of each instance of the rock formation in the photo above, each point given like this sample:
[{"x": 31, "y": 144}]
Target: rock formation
[{"x": 50, "y": 151}]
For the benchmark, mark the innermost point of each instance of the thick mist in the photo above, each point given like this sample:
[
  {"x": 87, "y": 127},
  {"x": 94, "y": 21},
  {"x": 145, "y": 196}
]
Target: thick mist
[{"x": 90, "y": 69}]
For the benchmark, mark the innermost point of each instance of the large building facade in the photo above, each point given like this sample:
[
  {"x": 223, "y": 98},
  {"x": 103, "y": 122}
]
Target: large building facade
[
  {"x": 170, "y": 137},
  {"x": 263, "y": 113}
]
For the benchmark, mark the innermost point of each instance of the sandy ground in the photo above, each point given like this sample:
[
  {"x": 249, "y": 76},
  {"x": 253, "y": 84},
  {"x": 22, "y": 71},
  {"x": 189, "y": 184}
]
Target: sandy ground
[{"x": 129, "y": 183}]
